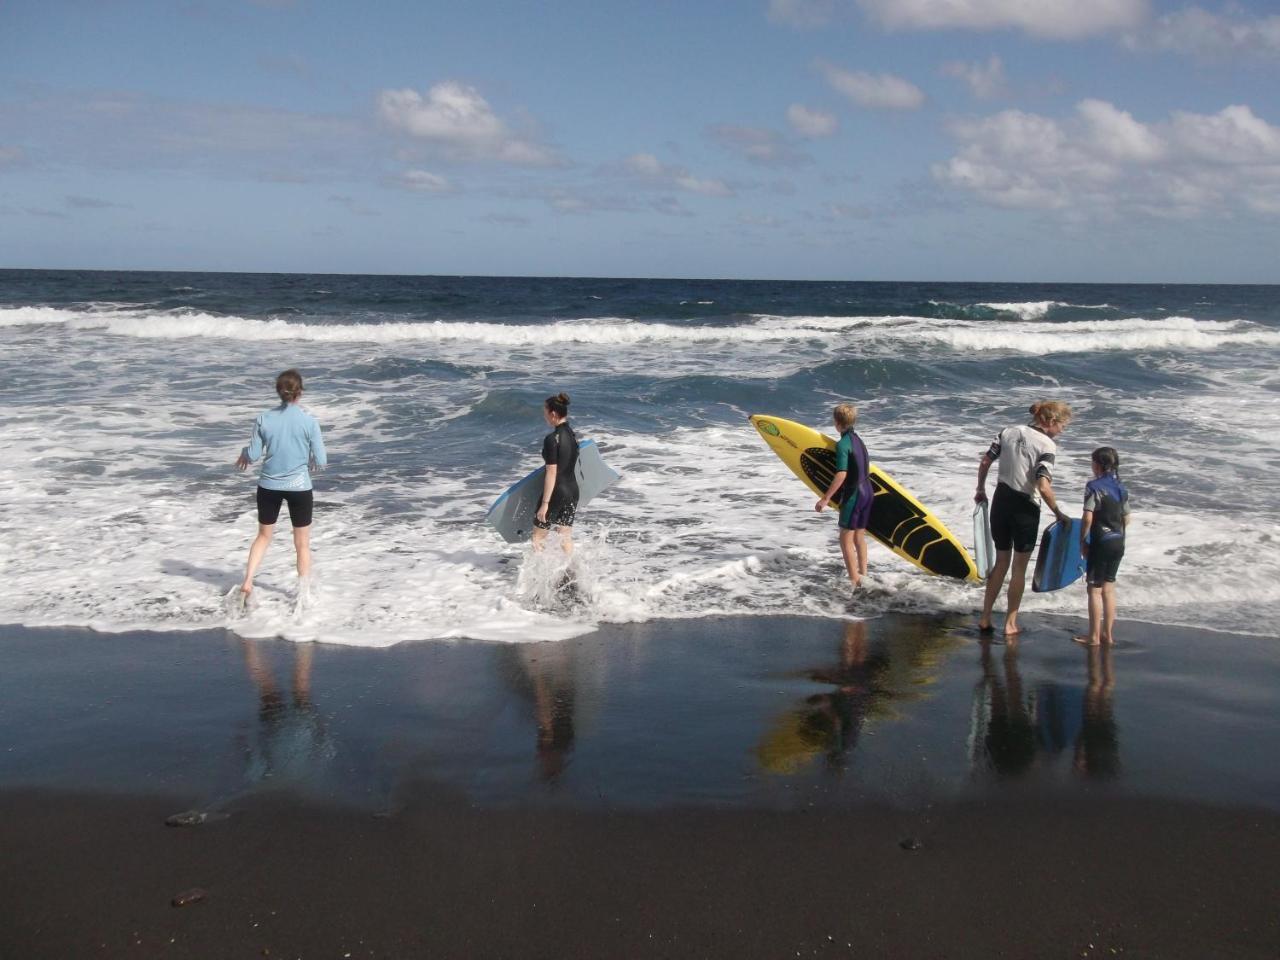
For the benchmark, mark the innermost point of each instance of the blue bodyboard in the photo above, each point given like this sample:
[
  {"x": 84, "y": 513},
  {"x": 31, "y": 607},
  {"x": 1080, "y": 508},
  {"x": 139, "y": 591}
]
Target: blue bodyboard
[
  {"x": 512, "y": 513},
  {"x": 1059, "y": 562}
]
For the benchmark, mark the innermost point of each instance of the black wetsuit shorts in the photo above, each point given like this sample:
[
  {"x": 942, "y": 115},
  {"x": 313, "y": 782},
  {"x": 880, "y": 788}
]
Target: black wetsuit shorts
[
  {"x": 1103, "y": 561},
  {"x": 300, "y": 506},
  {"x": 1015, "y": 520}
]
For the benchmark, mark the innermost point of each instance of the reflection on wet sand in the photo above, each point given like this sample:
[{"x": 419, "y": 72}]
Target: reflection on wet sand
[
  {"x": 1098, "y": 746},
  {"x": 290, "y": 742},
  {"x": 546, "y": 677},
  {"x": 1013, "y": 730},
  {"x": 1002, "y": 736},
  {"x": 872, "y": 680}
]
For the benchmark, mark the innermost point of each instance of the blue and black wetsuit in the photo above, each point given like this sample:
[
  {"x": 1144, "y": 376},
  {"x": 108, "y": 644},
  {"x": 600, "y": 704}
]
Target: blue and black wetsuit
[
  {"x": 560, "y": 448},
  {"x": 857, "y": 494},
  {"x": 1108, "y": 500}
]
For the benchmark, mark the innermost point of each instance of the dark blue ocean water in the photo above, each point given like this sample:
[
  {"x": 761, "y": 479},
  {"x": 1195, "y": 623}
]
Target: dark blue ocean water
[{"x": 125, "y": 396}]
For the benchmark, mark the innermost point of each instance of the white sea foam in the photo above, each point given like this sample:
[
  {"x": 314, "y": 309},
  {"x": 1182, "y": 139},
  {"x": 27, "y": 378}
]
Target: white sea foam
[
  {"x": 1037, "y": 309},
  {"x": 119, "y": 507},
  {"x": 1031, "y": 310},
  {"x": 877, "y": 334}
]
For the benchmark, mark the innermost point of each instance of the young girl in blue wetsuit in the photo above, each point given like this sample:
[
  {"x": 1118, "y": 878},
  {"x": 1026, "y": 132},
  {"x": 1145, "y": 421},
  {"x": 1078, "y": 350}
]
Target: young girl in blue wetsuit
[
  {"x": 853, "y": 482},
  {"x": 1106, "y": 515}
]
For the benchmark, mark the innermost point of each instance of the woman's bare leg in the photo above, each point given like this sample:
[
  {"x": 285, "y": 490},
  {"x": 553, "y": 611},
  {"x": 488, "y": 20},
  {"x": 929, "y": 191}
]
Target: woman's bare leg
[
  {"x": 302, "y": 544},
  {"x": 1017, "y": 583},
  {"x": 566, "y": 538},
  {"x": 256, "y": 552},
  {"x": 995, "y": 580},
  {"x": 860, "y": 541}
]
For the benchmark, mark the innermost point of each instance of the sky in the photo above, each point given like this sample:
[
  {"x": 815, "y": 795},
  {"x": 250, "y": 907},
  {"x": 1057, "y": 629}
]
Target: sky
[{"x": 1003, "y": 140}]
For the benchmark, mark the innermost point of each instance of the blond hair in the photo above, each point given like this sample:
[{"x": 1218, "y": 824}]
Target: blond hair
[
  {"x": 1051, "y": 412},
  {"x": 846, "y": 415}
]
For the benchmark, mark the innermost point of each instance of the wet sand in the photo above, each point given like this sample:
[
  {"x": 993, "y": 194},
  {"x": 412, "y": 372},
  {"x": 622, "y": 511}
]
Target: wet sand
[
  {"x": 1027, "y": 877},
  {"x": 734, "y": 787}
]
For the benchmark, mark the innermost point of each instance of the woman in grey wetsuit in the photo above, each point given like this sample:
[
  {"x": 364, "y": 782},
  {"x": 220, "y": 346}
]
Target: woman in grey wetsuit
[{"x": 560, "y": 487}]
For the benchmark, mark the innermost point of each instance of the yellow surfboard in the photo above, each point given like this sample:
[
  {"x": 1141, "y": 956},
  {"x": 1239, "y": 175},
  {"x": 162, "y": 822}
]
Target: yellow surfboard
[{"x": 898, "y": 520}]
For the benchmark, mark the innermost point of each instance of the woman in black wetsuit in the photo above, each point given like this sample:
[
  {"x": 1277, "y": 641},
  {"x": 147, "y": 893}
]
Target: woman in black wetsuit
[{"x": 560, "y": 488}]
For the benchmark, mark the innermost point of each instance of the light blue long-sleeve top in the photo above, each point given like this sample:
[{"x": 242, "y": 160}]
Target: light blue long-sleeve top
[{"x": 290, "y": 438}]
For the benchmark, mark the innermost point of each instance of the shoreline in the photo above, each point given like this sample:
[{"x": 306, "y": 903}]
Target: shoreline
[{"x": 733, "y": 787}]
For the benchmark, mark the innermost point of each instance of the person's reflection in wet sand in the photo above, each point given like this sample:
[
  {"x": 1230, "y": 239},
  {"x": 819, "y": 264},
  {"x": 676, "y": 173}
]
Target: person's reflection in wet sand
[
  {"x": 829, "y": 723},
  {"x": 1004, "y": 736},
  {"x": 1098, "y": 746},
  {"x": 548, "y": 671},
  {"x": 843, "y": 712},
  {"x": 291, "y": 742}
]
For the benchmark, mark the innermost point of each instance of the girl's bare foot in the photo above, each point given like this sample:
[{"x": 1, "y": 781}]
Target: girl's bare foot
[
  {"x": 1012, "y": 630},
  {"x": 1086, "y": 641}
]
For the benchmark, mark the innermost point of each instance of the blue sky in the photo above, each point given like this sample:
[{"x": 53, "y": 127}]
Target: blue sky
[{"x": 1083, "y": 140}]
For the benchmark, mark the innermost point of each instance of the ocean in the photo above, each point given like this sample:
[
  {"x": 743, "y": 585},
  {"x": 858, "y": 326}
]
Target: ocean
[{"x": 125, "y": 397}]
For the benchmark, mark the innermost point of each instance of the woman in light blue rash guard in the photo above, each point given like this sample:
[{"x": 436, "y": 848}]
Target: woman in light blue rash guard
[{"x": 290, "y": 439}]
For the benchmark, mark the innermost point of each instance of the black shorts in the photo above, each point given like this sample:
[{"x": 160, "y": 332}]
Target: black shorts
[
  {"x": 1103, "y": 562},
  {"x": 300, "y": 504},
  {"x": 560, "y": 511},
  {"x": 1015, "y": 520}
]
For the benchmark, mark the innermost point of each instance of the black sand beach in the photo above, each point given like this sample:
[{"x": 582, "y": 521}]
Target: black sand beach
[{"x": 730, "y": 787}]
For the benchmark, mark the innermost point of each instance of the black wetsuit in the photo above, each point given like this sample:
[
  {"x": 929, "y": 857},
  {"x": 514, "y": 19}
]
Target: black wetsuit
[{"x": 560, "y": 448}]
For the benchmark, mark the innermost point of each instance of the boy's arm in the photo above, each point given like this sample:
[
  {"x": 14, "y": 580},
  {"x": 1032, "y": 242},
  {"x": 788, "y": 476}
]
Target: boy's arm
[{"x": 836, "y": 483}]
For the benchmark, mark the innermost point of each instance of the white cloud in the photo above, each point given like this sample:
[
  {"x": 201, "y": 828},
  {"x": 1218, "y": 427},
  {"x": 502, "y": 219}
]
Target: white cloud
[
  {"x": 811, "y": 123},
  {"x": 1102, "y": 161},
  {"x": 1061, "y": 19},
  {"x": 647, "y": 167},
  {"x": 1234, "y": 135},
  {"x": 424, "y": 181},
  {"x": 985, "y": 80},
  {"x": 1116, "y": 134},
  {"x": 765, "y": 148},
  {"x": 456, "y": 118},
  {"x": 881, "y": 91},
  {"x": 1197, "y": 31}
]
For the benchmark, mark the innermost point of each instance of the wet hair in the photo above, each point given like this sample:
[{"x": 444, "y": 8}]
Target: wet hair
[
  {"x": 559, "y": 404},
  {"x": 846, "y": 415},
  {"x": 1107, "y": 459},
  {"x": 289, "y": 386},
  {"x": 1049, "y": 412}
]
